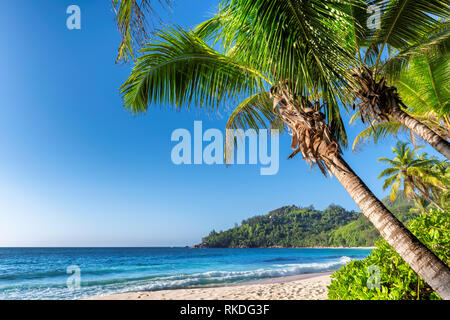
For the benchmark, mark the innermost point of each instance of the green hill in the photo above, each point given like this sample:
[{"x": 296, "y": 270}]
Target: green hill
[{"x": 293, "y": 226}]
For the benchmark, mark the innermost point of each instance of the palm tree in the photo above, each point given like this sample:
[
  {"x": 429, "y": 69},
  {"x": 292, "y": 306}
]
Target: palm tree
[
  {"x": 424, "y": 86},
  {"x": 442, "y": 170},
  {"x": 407, "y": 29},
  {"x": 287, "y": 58},
  {"x": 415, "y": 172},
  {"x": 133, "y": 19},
  {"x": 377, "y": 131}
]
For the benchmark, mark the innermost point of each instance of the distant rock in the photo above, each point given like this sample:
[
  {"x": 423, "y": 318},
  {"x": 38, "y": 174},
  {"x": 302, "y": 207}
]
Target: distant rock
[{"x": 200, "y": 245}]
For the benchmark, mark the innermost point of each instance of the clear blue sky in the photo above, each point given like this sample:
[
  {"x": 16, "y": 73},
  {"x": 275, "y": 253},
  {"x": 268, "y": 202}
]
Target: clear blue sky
[{"x": 76, "y": 169}]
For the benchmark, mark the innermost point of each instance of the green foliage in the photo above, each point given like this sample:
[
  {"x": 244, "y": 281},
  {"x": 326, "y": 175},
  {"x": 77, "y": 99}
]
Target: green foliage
[
  {"x": 400, "y": 207},
  {"x": 287, "y": 227},
  {"x": 416, "y": 173},
  {"x": 407, "y": 22},
  {"x": 357, "y": 233},
  {"x": 179, "y": 68},
  {"x": 291, "y": 226},
  {"x": 397, "y": 280},
  {"x": 133, "y": 21},
  {"x": 258, "y": 43},
  {"x": 411, "y": 50},
  {"x": 422, "y": 84}
]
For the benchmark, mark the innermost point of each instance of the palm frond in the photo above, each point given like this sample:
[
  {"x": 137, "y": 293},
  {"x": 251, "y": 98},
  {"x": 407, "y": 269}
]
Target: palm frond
[
  {"x": 389, "y": 161},
  {"x": 378, "y": 131},
  {"x": 387, "y": 172},
  {"x": 389, "y": 181},
  {"x": 134, "y": 19},
  {"x": 288, "y": 38},
  {"x": 395, "y": 188},
  {"x": 255, "y": 112},
  {"x": 405, "y": 22},
  {"x": 434, "y": 44},
  {"x": 179, "y": 68},
  {"x": 424, "y": 85}
]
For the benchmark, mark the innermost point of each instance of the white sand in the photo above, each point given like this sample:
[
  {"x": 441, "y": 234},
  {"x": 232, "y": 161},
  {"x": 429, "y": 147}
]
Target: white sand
[{"x": 302, "y": 287}]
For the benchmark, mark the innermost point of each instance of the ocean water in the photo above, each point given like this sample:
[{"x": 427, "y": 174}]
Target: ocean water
[{"x": 71, "y": 273}]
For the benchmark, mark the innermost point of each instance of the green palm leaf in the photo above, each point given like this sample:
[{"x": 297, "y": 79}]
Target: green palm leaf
[
  {"x": 133, "y": 21},
  {"x": 424, "y": 84},
  {"x": 289, "y": 38},
  {"x": 180, "y": 69},
  {"x": 254, "y": 112},
  {"x": 378, "y": 131},
  {"x": 436, "y": 43},
  {"x": 405, "y": 22}
]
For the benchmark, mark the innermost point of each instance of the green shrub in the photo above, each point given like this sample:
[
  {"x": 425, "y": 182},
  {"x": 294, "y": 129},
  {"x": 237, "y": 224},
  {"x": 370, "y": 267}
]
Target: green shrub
[{"x": 397, "y": 281}]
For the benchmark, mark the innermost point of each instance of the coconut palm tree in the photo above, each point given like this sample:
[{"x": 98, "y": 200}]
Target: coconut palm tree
[
  {"x": 407, "y": 28},
  {"x": 415, "y": 172},
  {"x": 442, "y": 170},
  {"x": 377, "y": 131},
  {"x": 133, "y": 19},
  {"x": 284, "y": 60},
  {"x": 424, "y": 86}
]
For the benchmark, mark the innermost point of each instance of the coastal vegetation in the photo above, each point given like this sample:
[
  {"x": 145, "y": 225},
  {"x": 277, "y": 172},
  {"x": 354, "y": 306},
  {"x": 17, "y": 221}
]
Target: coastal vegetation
[
  {"x": 392, "y": 278},
  {"x": 426, "y": 182},
  {"x": 293, "y": 65},
  {"x": 292, "y": 226},
  {"x": 422, "y": 178},
  {"x": 422, "y": 86},
  {"x": 409, "y": 47}
]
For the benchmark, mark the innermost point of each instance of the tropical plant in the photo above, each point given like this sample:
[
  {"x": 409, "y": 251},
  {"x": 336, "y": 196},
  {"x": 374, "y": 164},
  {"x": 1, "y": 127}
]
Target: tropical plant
[
  {"x": 424, "y": 87},
  {"x": 288, "y": 59},
  {"x": 395, "y": 279},
  {"x": 133, "y": 19},
  {"x": 414, "y": 172},
  {"x": 378, "y": 131},
  {"x": 292, "y": 226},
  {"x": 407, "y": 29}
]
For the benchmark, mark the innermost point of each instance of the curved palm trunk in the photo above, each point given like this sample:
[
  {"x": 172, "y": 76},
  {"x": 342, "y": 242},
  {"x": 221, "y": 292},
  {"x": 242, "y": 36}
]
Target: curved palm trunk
[
  {"x": 434, "y": 139},
  {"x": 312, "y": 138},
  {"x": 379, "y": 101},
  {"x": 424, "y": 262}
]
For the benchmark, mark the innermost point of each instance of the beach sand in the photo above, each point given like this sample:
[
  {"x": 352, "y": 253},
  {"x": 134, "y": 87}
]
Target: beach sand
[{"x": 299, "y": 287}]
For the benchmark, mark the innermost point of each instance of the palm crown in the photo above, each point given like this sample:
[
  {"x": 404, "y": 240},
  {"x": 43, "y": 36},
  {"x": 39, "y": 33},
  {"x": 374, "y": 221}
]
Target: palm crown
[
  {"x": 423, "y": 86},
  {"x": 412, "y": 171},
  {"x": 305, "y": 52},
  {"x": 408, "y": 33}
]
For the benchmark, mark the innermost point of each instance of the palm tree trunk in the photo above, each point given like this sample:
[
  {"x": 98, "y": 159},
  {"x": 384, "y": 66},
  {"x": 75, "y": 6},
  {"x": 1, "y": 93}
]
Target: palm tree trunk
[
  {"x": 312, "y": 137},
  {"x": 435, "y": 140},
  {"x": 424, "y": 262},
  {"x": 377, "y": 93}
]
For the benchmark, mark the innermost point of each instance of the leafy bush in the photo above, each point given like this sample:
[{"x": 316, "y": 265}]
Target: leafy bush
[{"x": 397, "y": 281}]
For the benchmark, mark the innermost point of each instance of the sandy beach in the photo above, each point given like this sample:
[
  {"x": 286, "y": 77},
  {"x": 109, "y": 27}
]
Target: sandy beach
[{"x": 299, "y": 287}]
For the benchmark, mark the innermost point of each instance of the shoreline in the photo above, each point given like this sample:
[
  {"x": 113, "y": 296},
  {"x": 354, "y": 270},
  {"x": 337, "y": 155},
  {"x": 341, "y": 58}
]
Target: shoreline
[
  {"x": 362, "y": 248},
  {"x": 307, "y": 286}
]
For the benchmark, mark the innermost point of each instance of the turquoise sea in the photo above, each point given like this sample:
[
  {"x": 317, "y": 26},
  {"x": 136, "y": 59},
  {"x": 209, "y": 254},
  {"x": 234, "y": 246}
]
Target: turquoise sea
[{"x": 71, "y": 273}]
